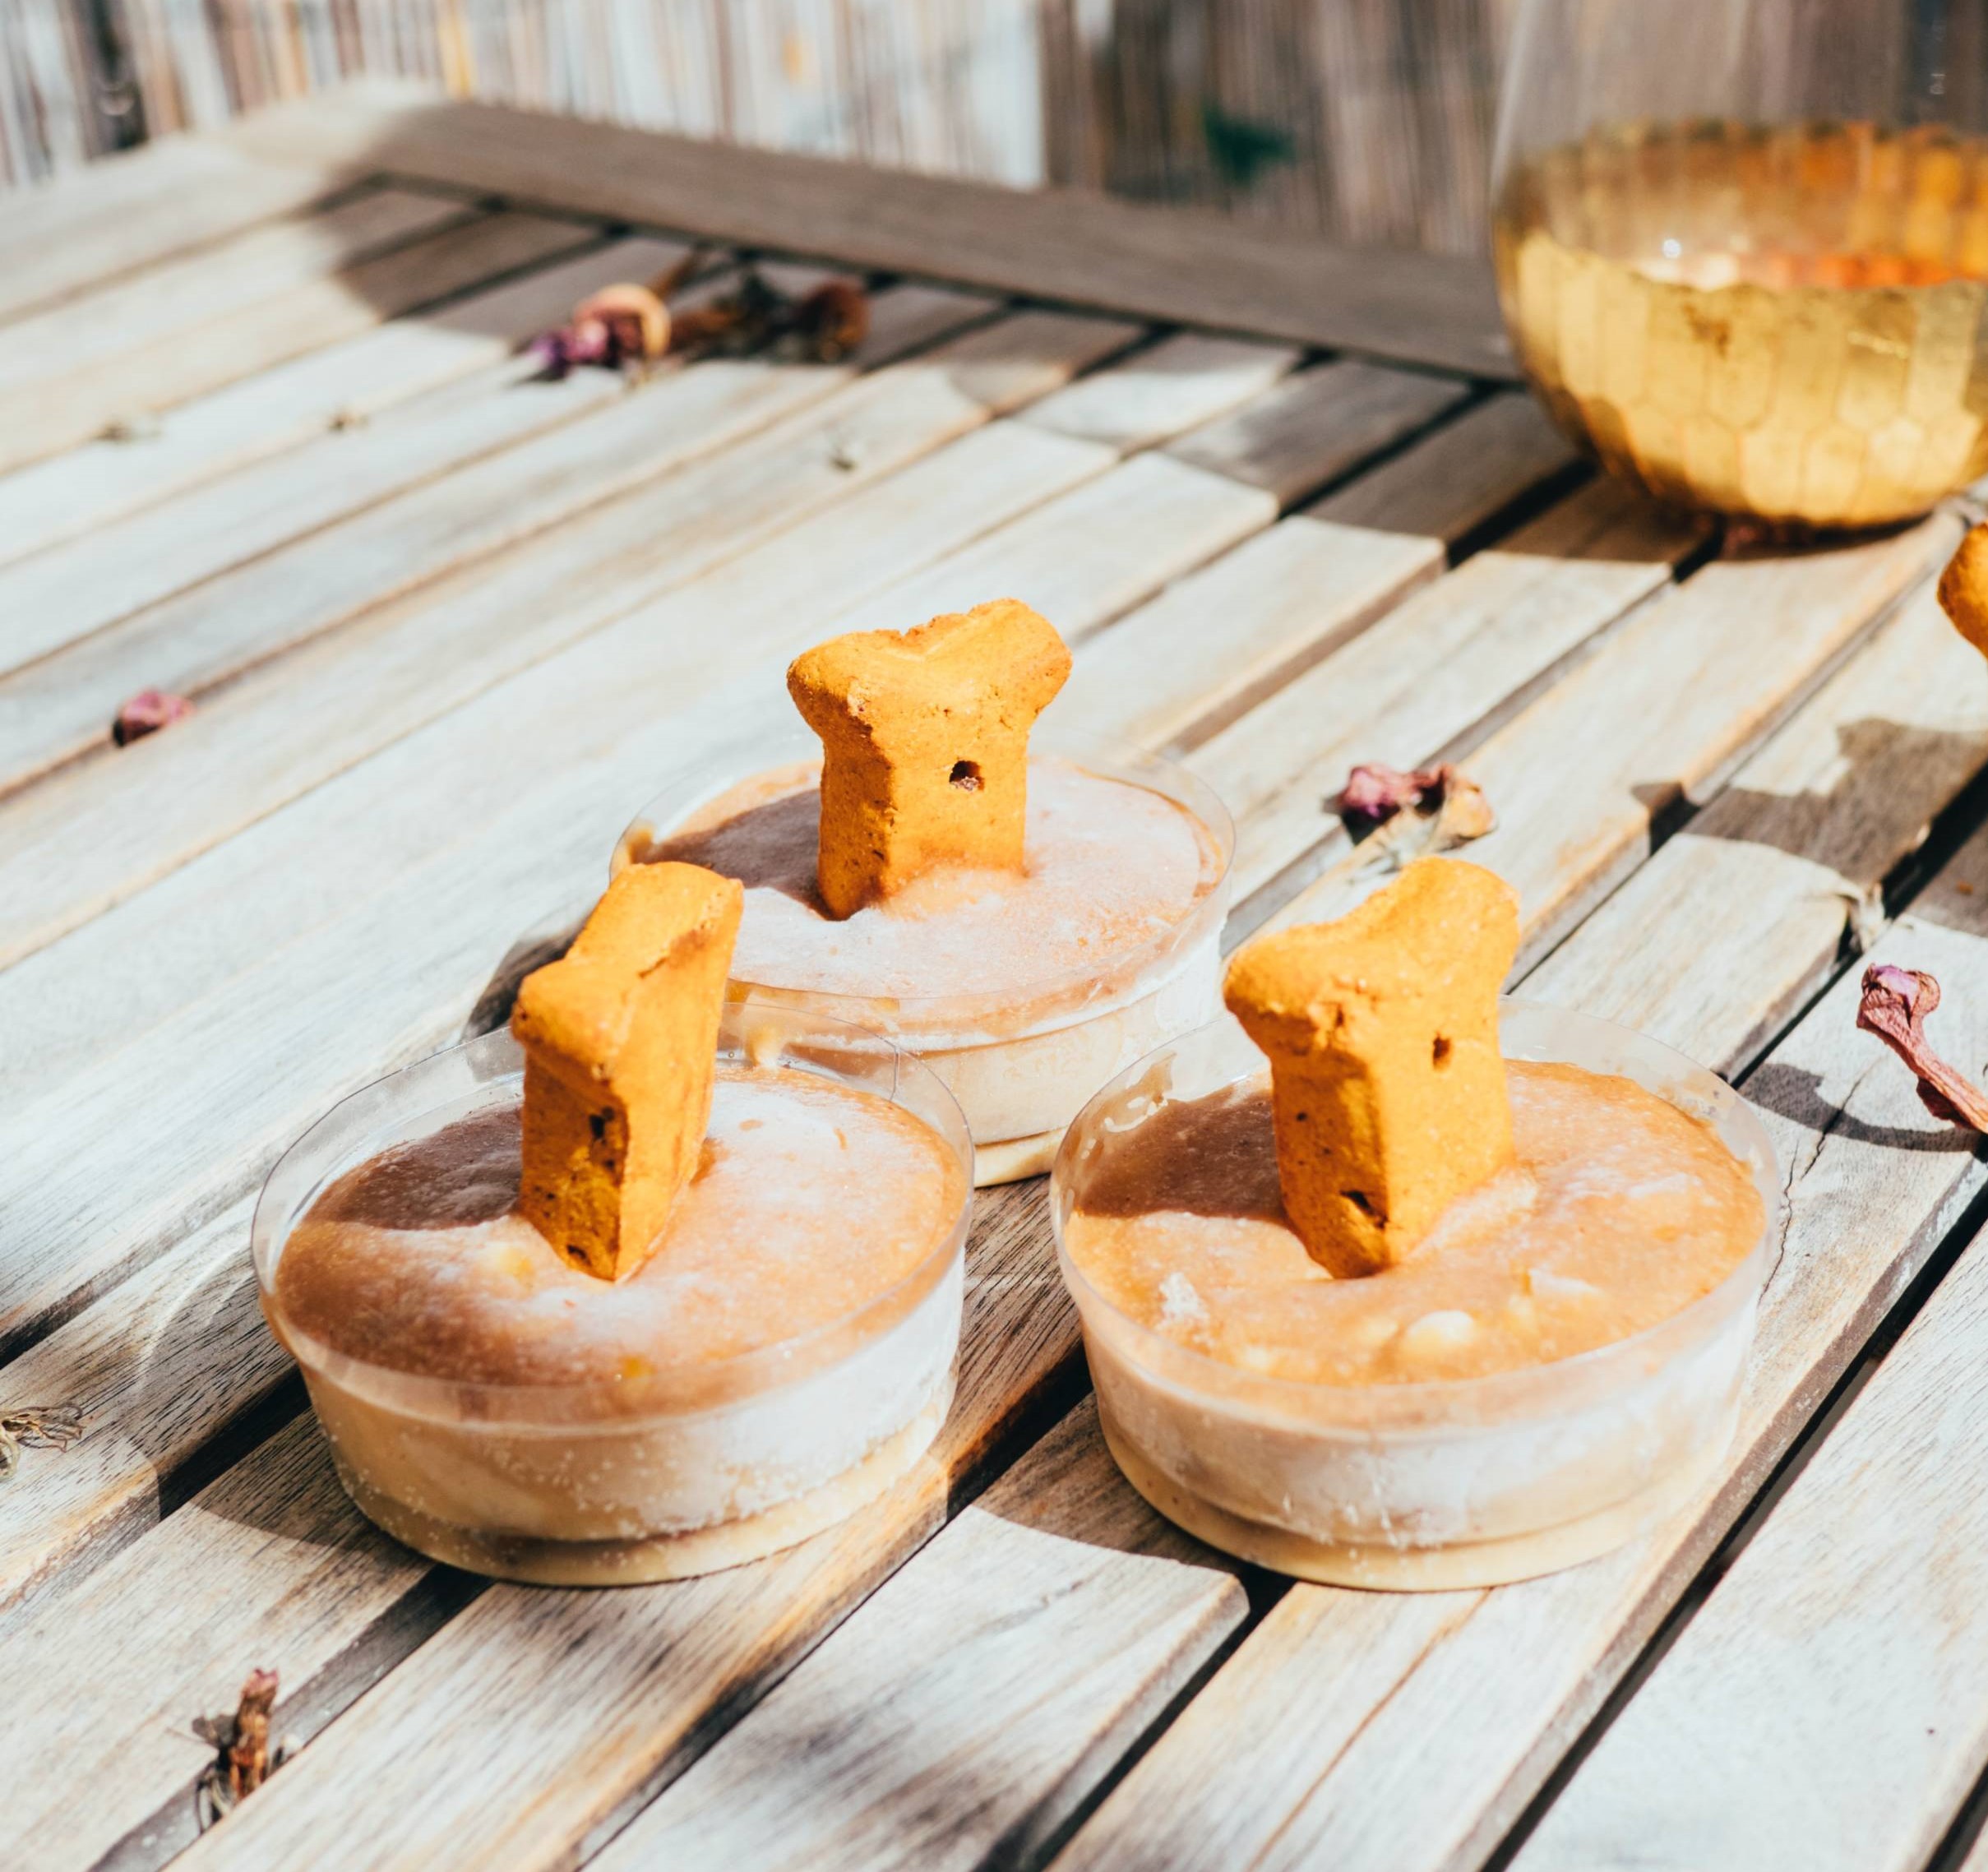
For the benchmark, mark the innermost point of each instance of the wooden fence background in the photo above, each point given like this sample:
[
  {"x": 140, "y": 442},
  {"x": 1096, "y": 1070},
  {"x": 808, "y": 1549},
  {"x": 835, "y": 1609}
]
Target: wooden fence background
[{"x": 1367, "y": 120}]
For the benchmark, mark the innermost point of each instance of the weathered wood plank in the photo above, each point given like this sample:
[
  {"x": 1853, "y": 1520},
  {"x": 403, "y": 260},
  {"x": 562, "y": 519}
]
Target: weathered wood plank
[
  {"x": 1277, "y": 605},
  {"x": 56, "y": 1024},
  {"x": 1197, "y": 269},
  {"x": 1822, "y": 1710},
  {"x": 1139, "y": 403},
  {"x": 1661, "y": 715},
  {"x": 68, "y": 495},
  {"x": 1435, "y": 1762},
  {"x": 592, "y": 704},
  {"x": 399, "y": 665},
  {"x": 1742, "y": 916},
  {"x": 1442, "y": 487},
  {"x": 968, "y": 1706},
  {"x": 254, "y": 268},
  {"x": 138, "y": 208},
  {"x": 61, "y": 408},
  {"x": 60, "y": 597},
  {"x": 178, "y": 1353},
  {"x": 103, "y": 1688},
  {"x": 1083, "y": 560},
  {"x": 1317, "y": 425},
  {"x": 1452, "y": 656},
  {"x": 554, "y": 468}
]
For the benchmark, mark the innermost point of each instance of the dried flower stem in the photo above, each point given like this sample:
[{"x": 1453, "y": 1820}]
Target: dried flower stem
[
  {"x": 1414, "y": 816},
  {"x": 243, "y": 1759},
  {"x": 1895, "y": 1004},
  {"x": 53, "y": 1426}
]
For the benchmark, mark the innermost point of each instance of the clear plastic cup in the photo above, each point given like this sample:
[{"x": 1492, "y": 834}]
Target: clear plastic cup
[
  {"x": 1021, "y": 1061},
  {"x": 683, "y": 1472},
  {"x": 1435, "y": 1485}
]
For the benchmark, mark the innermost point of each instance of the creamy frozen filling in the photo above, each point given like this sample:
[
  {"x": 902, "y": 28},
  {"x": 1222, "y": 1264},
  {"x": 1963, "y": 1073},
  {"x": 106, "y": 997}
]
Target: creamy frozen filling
[
  {"x": 1619, "y": 1211},
  {"x": 813, "y": 1199},
  {"x": 1111, "y": 868}
]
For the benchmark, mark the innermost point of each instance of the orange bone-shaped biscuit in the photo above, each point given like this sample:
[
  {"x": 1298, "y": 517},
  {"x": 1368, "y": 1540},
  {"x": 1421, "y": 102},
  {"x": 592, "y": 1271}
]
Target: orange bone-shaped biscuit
[
  {"x": 925, "y": 745},
  {"x": 1387, "y": 1085},
  {"x": 621, "y": 1039},
  {"x": 1963, "y": 588}
]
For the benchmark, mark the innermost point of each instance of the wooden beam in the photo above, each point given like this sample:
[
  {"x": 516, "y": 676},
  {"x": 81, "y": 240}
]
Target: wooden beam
[{"x": 1188, "y": 266}]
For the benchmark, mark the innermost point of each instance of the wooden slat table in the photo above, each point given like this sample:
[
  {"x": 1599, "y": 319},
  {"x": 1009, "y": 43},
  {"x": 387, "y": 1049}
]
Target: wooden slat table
[{"x": 266, "y": 443}]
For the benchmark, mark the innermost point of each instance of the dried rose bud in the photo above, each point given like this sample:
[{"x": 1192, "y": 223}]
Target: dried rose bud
[
  {"x": 833, "y": 320},
  {"x": 636, "y": 322},
  {"x": 552, "y": 353},
  {"x": 146, "y": 712},
  {"x": 1895, "y": 1006},
  {"x": 1374, "y": 793}
]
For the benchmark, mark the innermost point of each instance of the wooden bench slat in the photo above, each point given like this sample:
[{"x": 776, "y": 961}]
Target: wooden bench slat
[
  {"x": 1139, "y": 403},
  {"x": 1317, "y": 425},
  {"x": 967, "y": 1707},
  {"x": 1198, "y": 269},
  {"x": 1662, "y": 713},
  {"x": 1822, "y": 1710},
  {"x": 103, "y": 1692},
  {"x": 581, "y": 701},
  {"x": 1450, "y": 486},
  {"x": 59, "y": 599},
  {"x": 407, "y": 664},
  {"x": 1264, "y": 614},
  {"x": 1485, "y": 1714},
  {"x": 138, "y": 208},
  {"x": 50, "y": 1018},
  {"x": 480, "y": 466},
  {"x": 147, "y": 373},
  {"x": 181, "y": 295},
  {"x": 57, "y": 500},
  {"x": 1739, "y": 917},
  {"x": 1454, "y": 656}
]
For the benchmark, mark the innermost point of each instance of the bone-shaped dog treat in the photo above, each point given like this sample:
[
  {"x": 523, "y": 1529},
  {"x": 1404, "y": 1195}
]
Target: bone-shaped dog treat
[
  {"x": 1387, "y": 1085},
  {"x": 1963, "y": 588},
  {"x": 925, "y": 745},
  {"x": 621, "y": 1039}
]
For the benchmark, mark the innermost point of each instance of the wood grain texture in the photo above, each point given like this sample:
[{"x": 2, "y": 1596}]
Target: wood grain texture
[
  {"x": 1451, "y": 657},
  {"x": 177, "y": 299},
  {"x": 968, "y": 1705},
  {"x": 1662, "y": 714},
  {"x": 88, "y": 488},
  {"x": 589, "y": 706},
  {"x": 149, "y": 370},
  {"x": 137, "y": 209},
  {"x": 1822, "y": 1709},
  {"x": 1140, "y": 404},
  {"x": 407, "y": 663},
  {"x": 1743, "y": 915},
  {"x": 479, "y": 466},
  {"x": 1316, "y": 426},
  {"x": 157, "y": 1370},
  {"x": 268, "y": 1568},
  {"x": 1268, "y": 610},
  {"x": 71, "y": 592},
  {"x": 1434, "y": 1763},
  {"x": 1460, "y": 478},
  {"x": 1195, "y": 269}
]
